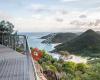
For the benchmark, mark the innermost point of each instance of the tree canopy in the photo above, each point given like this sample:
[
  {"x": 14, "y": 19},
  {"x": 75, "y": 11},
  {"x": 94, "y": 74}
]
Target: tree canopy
[{"x": 6, "y": 27}]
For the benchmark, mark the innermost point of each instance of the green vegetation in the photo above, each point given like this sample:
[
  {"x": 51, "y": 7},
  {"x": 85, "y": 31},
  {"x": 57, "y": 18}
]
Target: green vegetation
[
  {"x": 10, "y": 38},
  {"x": 60, "y": 70},
  {"x": 87, "y": 44},
  {"x": 6, "y": 26},
  {"x": 58, "y": 37}
]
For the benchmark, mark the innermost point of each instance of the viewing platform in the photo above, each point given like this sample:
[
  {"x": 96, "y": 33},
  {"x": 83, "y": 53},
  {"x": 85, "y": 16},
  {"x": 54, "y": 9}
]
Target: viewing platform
[{"x": 14, "y": 65}]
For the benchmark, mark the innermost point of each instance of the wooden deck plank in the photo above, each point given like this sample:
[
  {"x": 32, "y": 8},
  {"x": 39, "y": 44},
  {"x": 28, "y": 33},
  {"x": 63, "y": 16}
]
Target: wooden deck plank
[{"x": 13, "y": 65}]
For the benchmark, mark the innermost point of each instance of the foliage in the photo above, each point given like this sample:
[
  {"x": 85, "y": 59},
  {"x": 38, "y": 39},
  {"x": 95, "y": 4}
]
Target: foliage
[
  {"x": 19, "y": 49},
  {"x": 61, "y": 70},
  {"x": 6, "y": 26},
  {"x": 85, "y": 44},
  {"x": 81, "y": 67},
  {"x": 58, "y": 37},
  {"x": 52, "y": 68},
  {"x": 69, "y": 67}
]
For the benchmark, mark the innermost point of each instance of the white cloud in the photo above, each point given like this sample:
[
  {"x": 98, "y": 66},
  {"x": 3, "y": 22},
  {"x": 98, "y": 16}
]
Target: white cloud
[
  {"x": 46, "y": 9},
  {"x": 50, "y": 23},
  {"x": 55, "y": 22},
  {"x": 4, "y": 16},
  {"x": 38, "y": 8},
  {"x": 68, "y": 0}
]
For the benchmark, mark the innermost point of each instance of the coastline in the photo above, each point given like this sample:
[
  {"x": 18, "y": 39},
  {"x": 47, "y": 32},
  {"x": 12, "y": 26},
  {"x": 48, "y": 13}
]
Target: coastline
[{"x": 72, "y": 58}]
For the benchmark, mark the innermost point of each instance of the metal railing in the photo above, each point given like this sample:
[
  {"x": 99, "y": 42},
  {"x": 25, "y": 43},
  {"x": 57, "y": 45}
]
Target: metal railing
[
  {"x": 16, "y": 42},
  {"x": 30, "y": 59},
  {"x": 20, "y": 44}
]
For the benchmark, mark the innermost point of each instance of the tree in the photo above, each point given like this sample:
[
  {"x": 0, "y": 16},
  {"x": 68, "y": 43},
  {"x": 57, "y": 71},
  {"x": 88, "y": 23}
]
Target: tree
[
  {"x": 81, "y": 67},
  {"x": 9, "y": 27},
  {"x": 69, "y": 67},
  {"x": 6, "y": 26}
]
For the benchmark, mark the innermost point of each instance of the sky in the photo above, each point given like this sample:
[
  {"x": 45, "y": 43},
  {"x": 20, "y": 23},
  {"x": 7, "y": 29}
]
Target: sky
[{"x": 51, "y": 15}]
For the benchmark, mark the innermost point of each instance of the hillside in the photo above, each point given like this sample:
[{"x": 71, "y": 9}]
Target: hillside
[
  {"x": 47, "y": 36},
  {"x": 58, "y": 37},
  {"x": 98, "y": 32},
  {"x": 87, "y": 43}
]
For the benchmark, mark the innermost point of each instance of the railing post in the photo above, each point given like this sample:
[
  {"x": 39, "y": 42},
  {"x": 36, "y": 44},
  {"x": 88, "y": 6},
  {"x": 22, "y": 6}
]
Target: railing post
[{"x": 2, "y": 39}]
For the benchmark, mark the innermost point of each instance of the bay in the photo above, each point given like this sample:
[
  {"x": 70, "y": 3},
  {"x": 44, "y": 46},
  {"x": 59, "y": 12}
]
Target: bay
[{"x": 34, "y": 41}]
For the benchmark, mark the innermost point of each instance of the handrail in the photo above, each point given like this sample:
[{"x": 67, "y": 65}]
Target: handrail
[
  {"x": 28, "y": 53},
  {"x": 11, "y": 41}
]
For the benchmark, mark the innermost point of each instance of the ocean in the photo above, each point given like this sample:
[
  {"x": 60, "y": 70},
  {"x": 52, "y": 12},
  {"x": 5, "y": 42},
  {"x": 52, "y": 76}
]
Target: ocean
[{"x": 34, "y": 41}]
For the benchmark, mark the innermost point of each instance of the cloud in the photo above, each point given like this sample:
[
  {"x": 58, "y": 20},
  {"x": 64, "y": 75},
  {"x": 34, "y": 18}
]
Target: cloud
[
  {"x": 83, "y": 16},
  {"x": 5, "y": 16},
  {"x": 46, "y": 9},
  {"x": 59, "y": 20},
  {"x": 87, "y": 24},
  {"x": 56, "y": 23},
  {"x": 38, "y": 8},
  {"x": 96, "y": 9},
  {"x": 55, "y": 18},
  {"x": 69, "y": 0}
]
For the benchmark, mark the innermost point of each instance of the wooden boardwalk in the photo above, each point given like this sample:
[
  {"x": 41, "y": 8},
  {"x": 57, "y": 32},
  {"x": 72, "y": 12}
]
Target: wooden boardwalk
[{"x": 14, "y": 65}]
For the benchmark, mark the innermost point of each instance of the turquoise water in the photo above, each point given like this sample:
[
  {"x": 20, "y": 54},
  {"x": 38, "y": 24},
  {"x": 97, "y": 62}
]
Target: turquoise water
[{"x": 35, "y": 41}]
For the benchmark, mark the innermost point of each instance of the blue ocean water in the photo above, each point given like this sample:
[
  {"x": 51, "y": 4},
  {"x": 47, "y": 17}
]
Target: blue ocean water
[{"x": 35, "y": 41}]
